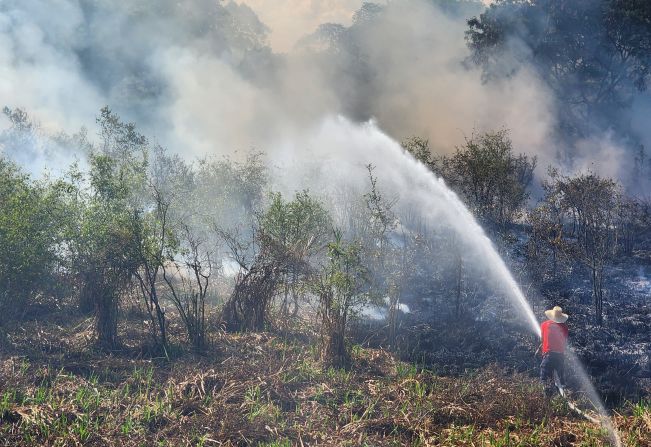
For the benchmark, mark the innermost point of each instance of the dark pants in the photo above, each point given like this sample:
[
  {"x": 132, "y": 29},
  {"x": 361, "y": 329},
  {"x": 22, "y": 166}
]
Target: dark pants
[{"x": 552, "y": 361}]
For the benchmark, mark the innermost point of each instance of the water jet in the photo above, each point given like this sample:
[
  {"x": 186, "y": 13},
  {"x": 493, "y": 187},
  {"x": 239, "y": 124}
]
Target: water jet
[{"x": 417, "y": 187}]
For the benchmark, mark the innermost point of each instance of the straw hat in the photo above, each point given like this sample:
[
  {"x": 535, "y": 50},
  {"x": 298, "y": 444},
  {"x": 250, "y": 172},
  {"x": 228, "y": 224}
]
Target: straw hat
[{"x": 556, "y": 314}]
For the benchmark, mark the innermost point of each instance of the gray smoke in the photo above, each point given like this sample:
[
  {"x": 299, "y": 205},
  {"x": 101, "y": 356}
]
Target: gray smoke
[{"x": 208, "y": 77}]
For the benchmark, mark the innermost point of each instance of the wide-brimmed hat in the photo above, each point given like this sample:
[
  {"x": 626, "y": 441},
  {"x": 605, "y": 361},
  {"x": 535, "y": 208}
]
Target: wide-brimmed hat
[{"x": 556, "y": 314}]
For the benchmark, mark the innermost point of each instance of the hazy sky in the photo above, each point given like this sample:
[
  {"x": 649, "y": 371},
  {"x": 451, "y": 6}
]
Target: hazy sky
[
  {"x": 196, "y": 76},
  {"x": 289, "y": 20}
]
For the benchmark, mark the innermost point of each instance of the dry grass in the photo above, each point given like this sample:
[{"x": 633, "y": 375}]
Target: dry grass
[{"x": 263, "y": 389}]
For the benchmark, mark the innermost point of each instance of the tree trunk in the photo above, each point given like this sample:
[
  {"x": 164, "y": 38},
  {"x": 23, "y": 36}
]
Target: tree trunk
[
  {"x": 393, "y": 317},
  {"x": 334, "y": 352},
  {"x": 160, "y": 316},
  {"x": 106, "y": 319},
  {"x": 87, "y": 294},
  {"x": 597, "y": 293}
]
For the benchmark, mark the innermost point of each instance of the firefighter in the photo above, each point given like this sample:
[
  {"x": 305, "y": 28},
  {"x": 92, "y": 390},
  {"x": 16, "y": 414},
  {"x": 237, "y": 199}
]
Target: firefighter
[{"x": 554, "y": 334}]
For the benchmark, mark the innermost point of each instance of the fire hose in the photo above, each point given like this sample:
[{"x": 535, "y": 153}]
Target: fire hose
[{"x": 571, "y": 404}]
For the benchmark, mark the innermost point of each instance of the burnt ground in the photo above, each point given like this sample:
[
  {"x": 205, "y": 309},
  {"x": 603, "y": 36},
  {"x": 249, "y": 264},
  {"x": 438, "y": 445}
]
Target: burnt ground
[
  {"x": 266, "y": 389},
  {"x": 616, "y": 354}
]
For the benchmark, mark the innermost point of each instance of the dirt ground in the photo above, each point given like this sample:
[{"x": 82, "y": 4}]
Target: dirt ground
[{"x": 268, "y": 390}]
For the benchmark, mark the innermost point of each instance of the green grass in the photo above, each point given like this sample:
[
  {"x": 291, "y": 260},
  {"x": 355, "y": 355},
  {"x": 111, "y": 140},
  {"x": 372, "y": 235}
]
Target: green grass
[{"x": 275, "y": 394}]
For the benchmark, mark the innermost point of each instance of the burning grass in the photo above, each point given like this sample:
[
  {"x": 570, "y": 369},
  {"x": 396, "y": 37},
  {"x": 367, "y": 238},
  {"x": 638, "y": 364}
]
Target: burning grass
[{"x": 268, "y": 390}]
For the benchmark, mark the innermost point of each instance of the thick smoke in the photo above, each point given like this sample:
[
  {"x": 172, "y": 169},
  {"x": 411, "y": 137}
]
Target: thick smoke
[
  {"x": 208, "y": 77},
  {"x": 290, "y": 20}
]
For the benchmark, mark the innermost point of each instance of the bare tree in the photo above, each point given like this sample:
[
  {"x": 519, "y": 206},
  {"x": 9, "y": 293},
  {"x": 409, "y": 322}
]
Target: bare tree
[
  {"x": 170, "y": 183},
  {"x": 385, "y": 261},
  {"x": 188, "y": 284},
  {"x": 154, "y": 242}
]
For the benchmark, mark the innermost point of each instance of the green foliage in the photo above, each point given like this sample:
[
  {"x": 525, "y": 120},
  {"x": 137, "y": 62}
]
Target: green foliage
[
  {"x": 341, "y": 288},
  {"x": 419, "y": 148},
  {"x": 108, "y": 247},
  {"x": 345, "y": 274},
  {"x": 490, "y": 178},
  {"x": 34, "y": 225},
  {"x": 286, "y": 236},
  {"x": 300, "y": 226}
]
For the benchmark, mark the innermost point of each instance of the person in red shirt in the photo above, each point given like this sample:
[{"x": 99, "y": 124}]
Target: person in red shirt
[{"x": 554, "y": 334}]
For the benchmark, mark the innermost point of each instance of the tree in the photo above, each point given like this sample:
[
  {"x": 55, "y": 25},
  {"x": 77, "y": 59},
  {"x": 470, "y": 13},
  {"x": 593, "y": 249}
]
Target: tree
[
  {"x": 188, "y": 282},
  {"x": 299, "y": 227},
  {"x": 155, "y": 243},
  {"x": 589, "y": 205},
  {"x": 256, "y": 283},
  {"x": 31, "y": 231},
  {"x": 545, "y": 240},
  {"x": 107, "y": 247},
  {"x": 384, "y": 260},
  {"x": 169, "y": 182},
  {"x": 490, "y": 178},
  {"x": 283, "y": 239},
  {"x": 341, "y": 289},
  {"x": 594, "y": 54}
]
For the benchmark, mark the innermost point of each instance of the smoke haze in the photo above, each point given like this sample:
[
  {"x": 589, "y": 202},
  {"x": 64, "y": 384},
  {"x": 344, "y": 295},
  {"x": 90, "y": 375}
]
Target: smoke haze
[
  {"x": 290, "y": 20},
  {"x": 208, "y": 77}
]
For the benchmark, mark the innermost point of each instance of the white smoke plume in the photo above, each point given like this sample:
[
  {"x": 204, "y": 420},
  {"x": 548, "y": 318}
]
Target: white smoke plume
[
  {"x": 207, "y": 77},
  {"x": 291, "y": 20}
]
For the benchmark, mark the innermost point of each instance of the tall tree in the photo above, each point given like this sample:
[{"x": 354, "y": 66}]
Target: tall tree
[
  {"x": 590, "y": 205},
  {"x": 594, "y": 54},
  {"x": 107, "y": 247}
]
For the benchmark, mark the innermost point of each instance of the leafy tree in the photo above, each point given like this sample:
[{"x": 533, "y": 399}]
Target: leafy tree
[
  {"x": 108, "y": 252},
  {"x": 299, "y": 228},
  {"x": 341, "y": 287},
  {"x": 30, "y": 234},
  {"x": 490, "y": 178},
  {"x": 277, "y": 253},
  {"x": 594, "y": 54}
]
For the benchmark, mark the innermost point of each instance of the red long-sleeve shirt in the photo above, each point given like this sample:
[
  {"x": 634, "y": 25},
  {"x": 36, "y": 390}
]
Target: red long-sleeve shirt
[{"x": 554, "y": 336}]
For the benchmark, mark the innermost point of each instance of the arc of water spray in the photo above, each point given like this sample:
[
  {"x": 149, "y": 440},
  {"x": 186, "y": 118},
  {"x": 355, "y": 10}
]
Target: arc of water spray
[
  {"x": 498, "y": 266},
  {"x": 350, "y": 146}
]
